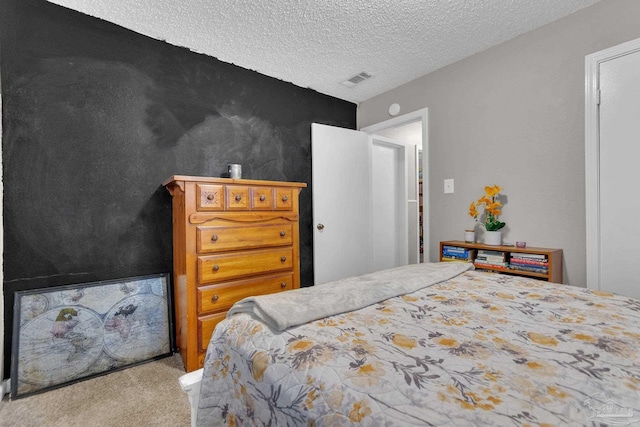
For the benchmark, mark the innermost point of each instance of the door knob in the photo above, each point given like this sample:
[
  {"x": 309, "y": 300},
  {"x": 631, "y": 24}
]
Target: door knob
[{"x": 320, "y": 226}]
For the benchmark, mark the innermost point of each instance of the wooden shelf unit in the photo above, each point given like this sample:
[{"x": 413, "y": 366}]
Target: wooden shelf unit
[{"x": 554, "y": 256}]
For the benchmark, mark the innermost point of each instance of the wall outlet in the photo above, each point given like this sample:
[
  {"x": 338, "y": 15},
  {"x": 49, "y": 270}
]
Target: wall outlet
[{"x": 448, "y": 186}]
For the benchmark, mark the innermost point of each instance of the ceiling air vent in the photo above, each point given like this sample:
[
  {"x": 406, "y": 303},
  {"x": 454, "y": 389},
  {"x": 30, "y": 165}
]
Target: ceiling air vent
[{"x": 358, "y": 78}]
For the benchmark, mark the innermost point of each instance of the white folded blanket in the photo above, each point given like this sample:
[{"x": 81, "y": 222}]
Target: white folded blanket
[{"x": 286, "y": 309}]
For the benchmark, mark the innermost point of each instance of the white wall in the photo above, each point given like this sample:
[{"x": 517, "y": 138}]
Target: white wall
[{"x": 513, "y": 115}]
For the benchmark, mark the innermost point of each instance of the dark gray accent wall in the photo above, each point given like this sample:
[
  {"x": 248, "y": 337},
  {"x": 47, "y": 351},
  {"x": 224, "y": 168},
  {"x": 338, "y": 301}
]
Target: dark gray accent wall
[{"x": 96, "y": 117}]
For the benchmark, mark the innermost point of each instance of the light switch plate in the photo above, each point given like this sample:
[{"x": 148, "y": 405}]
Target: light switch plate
[{"x": 448, "y": 186}]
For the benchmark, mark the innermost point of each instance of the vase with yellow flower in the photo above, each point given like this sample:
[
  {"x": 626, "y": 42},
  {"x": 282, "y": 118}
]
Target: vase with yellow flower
[{"x": 486, "y": 210}]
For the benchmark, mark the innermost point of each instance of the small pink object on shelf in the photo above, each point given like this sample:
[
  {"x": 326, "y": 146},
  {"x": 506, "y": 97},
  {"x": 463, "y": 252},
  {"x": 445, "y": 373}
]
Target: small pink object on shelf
[{"x": 521, "y": 244}]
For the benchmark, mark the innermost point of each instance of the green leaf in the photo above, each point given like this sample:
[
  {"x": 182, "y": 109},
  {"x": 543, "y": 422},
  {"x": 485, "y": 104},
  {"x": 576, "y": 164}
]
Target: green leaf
[{"x": 495, "y": 225}]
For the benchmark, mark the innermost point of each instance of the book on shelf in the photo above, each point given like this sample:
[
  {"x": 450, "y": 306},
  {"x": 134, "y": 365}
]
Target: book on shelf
[
  {"x": 491, "y": 253},
  {"x": 486, "y": 258},
  {"x": 454, "y": 249},
  {"x": 528, "y": 261},
  {"x": 530, "y": 269},
  {"x": 458, "y": 253},
  {"x": 528, "y": 255},
  {"x": 454, "y": 259},
  {"x": 495, "y": 257},
  {"x": 484, "y": 264}
]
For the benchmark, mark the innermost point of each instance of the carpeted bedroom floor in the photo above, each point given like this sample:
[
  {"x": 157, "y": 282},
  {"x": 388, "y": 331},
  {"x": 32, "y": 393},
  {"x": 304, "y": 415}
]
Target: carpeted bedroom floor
[{"x": 143, "y": 395}]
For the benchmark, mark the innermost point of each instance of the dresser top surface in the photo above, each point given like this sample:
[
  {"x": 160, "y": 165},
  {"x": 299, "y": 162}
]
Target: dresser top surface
[{"x": 213, "y": 180}]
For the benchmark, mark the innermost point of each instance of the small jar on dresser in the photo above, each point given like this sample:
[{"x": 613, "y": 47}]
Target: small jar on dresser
[{"x": 232, "y": 238}]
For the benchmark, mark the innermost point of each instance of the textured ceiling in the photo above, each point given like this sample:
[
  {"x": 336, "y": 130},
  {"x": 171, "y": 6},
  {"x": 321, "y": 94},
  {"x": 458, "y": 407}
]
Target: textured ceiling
[{"x": 321, "y": 43}]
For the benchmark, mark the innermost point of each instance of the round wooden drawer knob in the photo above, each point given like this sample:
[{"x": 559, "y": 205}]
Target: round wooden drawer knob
[
  {"x": 214, "y": 238},
  {"x": 283, "y": 259},
  {"x": 263, "y": 197},
  {"x": 283, "y": 284},
  {"x": 216, "y": 267},
  {"x": 282, "y": 234},
  {"x": 214, "y": 298},
  {"x": 238, "y": 197},
  {"x": 210, "y": 196},
  {"x": 285, "y": 198}
]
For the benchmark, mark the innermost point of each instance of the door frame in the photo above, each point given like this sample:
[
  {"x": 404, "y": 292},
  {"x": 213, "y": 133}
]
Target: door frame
[
  {"x": 592, "y": 150},
  {"x": 422, "y": 116},
  {"x": 399, "y": 199}
]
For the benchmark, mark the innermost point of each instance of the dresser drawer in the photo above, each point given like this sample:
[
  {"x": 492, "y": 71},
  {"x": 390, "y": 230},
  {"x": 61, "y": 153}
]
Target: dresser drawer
[
  {"x": 210, "y": 197},
  {"x": 216, "y": 268},
  {"x": 238, "y": 198},
  {"x": 261, "y": 198},
  {"x": 223, "y": 296},
  {"x": 206, "y": 325},
  {"x": 220, "y": 238},
  {"x": 284, "y": 199}
]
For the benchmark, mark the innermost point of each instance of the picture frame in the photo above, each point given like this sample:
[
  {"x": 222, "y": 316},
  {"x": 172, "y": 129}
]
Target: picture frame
[{"x": 65, "y": 334}]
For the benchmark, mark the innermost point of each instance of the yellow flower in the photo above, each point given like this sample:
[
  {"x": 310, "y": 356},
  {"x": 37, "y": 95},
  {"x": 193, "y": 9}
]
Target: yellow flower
[
  {"x": 359, "y": 412},
  {"x": 473, "y": 212},
  {"x": 447, "y": 342},
  {"x": 492, "y": 191},
  {"x": 542, "y": 339},
  {"x": 584, "y": 337},
  {"x": 556, "y": 392},
  {"x": 300, "y": 345},
  {"x": 260, "y": 364},
  {"x": 403, "y": 341},
  {"x": 601, "y": 293},
  {"x": 484, "y": 200}
]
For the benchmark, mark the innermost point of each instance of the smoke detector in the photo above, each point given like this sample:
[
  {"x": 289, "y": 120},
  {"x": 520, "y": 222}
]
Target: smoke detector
[{"x": 358, "y": 78}]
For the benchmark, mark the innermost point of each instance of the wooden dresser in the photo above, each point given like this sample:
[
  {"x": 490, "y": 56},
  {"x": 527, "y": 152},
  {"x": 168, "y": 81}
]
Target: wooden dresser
[{"x": 232, "y": 238}]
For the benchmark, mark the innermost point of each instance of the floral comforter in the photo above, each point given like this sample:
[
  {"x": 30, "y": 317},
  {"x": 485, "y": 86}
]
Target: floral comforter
[{"x": 479, "y": 349}]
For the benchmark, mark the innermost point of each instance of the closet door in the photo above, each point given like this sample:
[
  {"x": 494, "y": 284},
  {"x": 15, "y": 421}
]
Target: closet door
[{"x": 619, "y": 174}]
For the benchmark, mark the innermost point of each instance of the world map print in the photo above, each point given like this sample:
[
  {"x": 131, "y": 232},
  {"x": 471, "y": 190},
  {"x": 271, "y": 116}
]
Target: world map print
[{"x": 71, "y": 333}]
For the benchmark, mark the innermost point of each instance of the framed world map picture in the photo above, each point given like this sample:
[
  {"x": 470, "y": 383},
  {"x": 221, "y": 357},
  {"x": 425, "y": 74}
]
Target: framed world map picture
[{"x": 65, "y": 334}]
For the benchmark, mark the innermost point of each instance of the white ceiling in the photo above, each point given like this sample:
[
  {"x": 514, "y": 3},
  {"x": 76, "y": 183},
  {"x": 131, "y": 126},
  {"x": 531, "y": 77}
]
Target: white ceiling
[{"x": 321, "y": 43}]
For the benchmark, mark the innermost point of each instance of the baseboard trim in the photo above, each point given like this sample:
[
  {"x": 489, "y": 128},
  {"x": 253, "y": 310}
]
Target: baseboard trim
[{"x": 5, "y": 388}]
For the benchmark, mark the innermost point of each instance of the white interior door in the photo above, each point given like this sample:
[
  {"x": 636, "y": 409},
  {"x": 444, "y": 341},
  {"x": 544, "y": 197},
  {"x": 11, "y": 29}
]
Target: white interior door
[
  {"x": 359, "y": 190},
  {"x": 611, "y": 149},
  {"x": 619, "y": 174},
  {"x": 340, "y": 173}
]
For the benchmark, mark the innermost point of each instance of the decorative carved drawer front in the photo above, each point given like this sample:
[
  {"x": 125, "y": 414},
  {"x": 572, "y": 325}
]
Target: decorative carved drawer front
[
  {"x": 283, "y": 198},
  {"x": 237, "y": 198},
  {"x": 220, "y": 238},
  {"x": 206, "y": 325},
  {"x": 210, "y": 197},
  {"x": 261, "y": 199},
  {"x": 223, "y": 296},
  {"x": 217, "y": 268}
]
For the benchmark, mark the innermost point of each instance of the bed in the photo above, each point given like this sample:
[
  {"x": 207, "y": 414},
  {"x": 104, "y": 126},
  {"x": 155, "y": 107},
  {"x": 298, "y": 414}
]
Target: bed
[{"x": 428, "y": 344}]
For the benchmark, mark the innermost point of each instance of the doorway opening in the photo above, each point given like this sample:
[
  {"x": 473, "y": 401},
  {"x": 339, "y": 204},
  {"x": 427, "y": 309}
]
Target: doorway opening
[{"x": 412, "y": 128}]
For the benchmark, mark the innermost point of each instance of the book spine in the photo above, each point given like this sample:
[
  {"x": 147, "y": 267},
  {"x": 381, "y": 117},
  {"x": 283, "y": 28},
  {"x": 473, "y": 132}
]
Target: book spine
[
  {"x": 452, "y": 259},
  {"x": 527, "y": 255},
  {"x": 490, "y": 266},
  {"x": 531, "y": 269},
  {"x": 459, "y": 253},
  {"x": 526, "y": 261},
  {"x": 491, "y": 253},
  {"x": 490, "y": 258},
  {"x": 454, "y": 249}
]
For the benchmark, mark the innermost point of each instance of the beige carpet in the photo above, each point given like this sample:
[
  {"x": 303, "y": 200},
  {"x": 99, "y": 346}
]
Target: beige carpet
[{"x": 143, "y": 395}]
